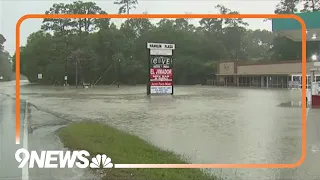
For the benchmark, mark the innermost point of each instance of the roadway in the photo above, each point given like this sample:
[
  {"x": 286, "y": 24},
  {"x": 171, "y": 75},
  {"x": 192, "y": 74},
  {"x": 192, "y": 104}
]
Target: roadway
[
  {"x": 39, "y": 138},
  {"x": 277, "y": 133},
  {"x": 8, "y": 165}
]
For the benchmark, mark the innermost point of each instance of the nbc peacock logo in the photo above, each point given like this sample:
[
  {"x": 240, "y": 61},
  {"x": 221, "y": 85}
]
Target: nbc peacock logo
[{"x": 101, "y": 161}]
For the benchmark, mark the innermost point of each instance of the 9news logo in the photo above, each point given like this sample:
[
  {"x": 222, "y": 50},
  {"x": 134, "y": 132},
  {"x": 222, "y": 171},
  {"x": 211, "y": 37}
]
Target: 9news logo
[{"x": 61, "y": 159}]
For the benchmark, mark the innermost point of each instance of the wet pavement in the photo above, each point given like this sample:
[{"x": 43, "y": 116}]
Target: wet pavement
[
  {"x": 8, "y": 146},
  {"x": 206, "y": 124},
  {"x": 42, "y": 138},
  {"x": 39, "y": 134}
]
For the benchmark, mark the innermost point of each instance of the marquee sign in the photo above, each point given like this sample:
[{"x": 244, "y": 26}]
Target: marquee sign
[
  {"x": 160, "y": 61},
  {"x": 160, "y": 68}
]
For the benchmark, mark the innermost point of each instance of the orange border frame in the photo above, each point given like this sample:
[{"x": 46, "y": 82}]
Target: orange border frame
[{"x": 272, "y": 16}]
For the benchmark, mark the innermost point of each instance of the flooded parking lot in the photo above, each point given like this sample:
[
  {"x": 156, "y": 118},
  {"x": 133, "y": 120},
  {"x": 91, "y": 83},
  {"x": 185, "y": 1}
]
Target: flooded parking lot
[{"x": 206, "y": 124}]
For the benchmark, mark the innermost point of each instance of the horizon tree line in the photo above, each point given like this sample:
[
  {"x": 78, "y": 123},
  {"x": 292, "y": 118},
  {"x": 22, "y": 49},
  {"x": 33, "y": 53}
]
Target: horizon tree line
[{"x": 103, "y": 53}]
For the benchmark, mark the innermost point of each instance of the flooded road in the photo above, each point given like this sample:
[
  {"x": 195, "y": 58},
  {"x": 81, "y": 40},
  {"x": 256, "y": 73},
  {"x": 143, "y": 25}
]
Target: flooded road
[
  {"x": 38, "y": 133},
  {"x": 206, "y": 124},
  {"x": 8, "y": 146}
]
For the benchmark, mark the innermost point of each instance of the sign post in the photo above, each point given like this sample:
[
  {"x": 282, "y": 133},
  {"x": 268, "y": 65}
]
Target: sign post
[
  {"x": 160, "y": 57},
  {"x": 39, "y": 76},
  {"x": 66, "y": 80}
]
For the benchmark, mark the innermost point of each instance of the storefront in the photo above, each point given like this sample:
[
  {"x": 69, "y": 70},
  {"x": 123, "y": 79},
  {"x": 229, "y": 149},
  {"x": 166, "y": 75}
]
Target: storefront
[
  {"x": 291, "y": 29},
  {"x": 264, "y": 75},
  {"x": 298, "y": 78}
]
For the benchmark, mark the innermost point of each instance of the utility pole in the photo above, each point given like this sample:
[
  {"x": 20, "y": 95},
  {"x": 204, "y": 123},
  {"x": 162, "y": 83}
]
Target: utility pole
[
  {"x": 66, "y": 65},
  {"x": 119, "y": 73}
]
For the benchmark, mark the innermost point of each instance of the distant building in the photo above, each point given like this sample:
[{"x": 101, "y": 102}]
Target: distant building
[{"x": 262, "y": 74}]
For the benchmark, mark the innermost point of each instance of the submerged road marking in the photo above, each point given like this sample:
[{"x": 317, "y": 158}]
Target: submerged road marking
[{"x": 25, "y": 169}]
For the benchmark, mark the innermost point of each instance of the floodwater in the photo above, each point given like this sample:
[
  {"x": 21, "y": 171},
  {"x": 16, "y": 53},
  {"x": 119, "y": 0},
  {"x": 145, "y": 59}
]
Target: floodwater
[
  {"x": 206, "y": 124},
  {"x": 37, "y": 134},
  {"x": 8, "y": 164}
]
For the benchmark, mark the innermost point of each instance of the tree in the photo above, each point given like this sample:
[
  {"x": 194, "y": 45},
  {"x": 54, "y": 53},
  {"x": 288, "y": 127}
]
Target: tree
[
  {"x": 211, "y": 25},
  {"x": 87, "y": 24},
  {"x": 287, "y": 7},
  {"x": 5, "y": 64},
  {"x": 311, "y": 6},
  {"x": 58, "y": 26},
  {"x": 98, "y": 51},
  {"x": 257, "y": 44},
  {"x": 65, "y": 26},
  {"x": 126, "y": 5},
  {"x": 2, "y": 40}
]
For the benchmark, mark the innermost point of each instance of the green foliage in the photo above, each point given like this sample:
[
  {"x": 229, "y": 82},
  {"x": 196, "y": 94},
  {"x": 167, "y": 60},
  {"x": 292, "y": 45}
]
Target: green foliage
[
  {"x": 126, "y": 5},
  {"x": 2, "y": 40},
  {"x": 311, "y": 6},
  {"x": 104, "y": 52},
  {"x": 5, "y": 62},
  {"x": 286, "y": 7}
]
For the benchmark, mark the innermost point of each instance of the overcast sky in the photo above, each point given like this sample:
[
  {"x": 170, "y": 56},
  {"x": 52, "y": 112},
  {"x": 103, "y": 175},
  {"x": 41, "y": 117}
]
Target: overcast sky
[{"x": 12, "y": 10}]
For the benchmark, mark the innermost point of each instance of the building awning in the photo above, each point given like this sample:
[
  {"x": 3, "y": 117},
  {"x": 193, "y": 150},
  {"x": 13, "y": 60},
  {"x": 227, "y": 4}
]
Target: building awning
[{"x": 291, "y": 28}]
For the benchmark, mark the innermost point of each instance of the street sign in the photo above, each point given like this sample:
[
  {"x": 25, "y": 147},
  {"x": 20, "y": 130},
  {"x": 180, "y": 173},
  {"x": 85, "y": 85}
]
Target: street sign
[
  {"x": 160, "y": 46},
  {"x": 1, "y": 77},
  {"x": 65, "y": 78},
  {"x": 39, "y": 76}
]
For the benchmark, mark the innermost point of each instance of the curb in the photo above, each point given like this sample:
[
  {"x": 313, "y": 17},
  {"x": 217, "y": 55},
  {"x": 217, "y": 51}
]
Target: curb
[{"x": 25, "y": 169}]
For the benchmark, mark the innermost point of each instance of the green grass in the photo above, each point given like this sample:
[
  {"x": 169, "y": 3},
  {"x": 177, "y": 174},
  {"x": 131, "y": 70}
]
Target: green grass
[{"x": 124, "y": 148}]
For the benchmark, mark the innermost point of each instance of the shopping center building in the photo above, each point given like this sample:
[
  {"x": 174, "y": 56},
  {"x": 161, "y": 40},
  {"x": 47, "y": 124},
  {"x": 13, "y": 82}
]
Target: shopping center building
[
  {"x": 265, "y": 75},
  {"x": 286, "y": 74}
]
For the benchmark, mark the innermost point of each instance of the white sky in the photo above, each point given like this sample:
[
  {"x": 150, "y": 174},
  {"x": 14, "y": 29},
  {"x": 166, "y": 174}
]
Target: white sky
[{"x": 12, "y": 10}]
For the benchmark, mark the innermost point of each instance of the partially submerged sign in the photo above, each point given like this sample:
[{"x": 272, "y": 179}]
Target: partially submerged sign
[
  {"x": 160, "y": 68},
  {"x": 39, "y": 76}
]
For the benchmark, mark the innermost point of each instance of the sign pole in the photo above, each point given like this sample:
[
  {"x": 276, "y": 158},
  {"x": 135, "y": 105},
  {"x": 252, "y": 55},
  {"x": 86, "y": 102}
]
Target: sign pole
[
  {"x": 66, "y": 80},
  {"x": 172, "y": 72},
  {"x": 149, "y": 66},
  {"x": 40, "y": 77}
]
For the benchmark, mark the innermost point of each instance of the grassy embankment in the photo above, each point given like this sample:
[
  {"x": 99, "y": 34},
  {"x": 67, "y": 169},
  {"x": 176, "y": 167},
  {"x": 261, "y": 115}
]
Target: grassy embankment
[{"x": 124, "y": 148}]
